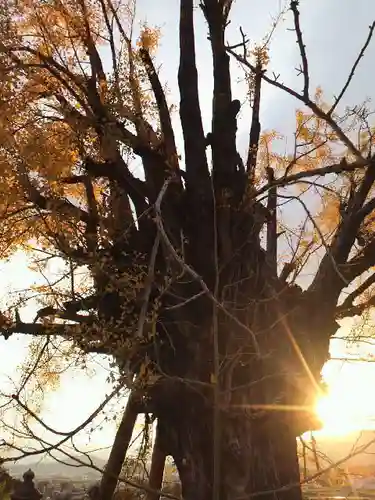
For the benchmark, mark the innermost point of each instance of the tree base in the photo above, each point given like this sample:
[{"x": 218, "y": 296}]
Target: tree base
[{"x": 258, "y": 455}]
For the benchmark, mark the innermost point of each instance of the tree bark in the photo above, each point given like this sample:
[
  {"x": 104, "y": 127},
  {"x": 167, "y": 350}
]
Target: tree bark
[
  {"x": 258, "y": 459},
  {"x": 157, "y": 467}
]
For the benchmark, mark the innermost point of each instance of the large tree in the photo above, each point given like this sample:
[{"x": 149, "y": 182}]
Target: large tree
[{"x": 189, "y": 289}]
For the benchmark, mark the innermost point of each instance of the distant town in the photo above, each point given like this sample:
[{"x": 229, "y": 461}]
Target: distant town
[{"x": 354, "y": 478}]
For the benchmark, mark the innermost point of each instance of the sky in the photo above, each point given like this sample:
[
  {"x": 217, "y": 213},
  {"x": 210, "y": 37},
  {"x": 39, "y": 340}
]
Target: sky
[{"x": 334, "y": 31}]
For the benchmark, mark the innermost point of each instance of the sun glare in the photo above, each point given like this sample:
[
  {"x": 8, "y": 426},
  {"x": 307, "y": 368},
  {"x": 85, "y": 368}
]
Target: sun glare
[{"x": 345, "y": 409}]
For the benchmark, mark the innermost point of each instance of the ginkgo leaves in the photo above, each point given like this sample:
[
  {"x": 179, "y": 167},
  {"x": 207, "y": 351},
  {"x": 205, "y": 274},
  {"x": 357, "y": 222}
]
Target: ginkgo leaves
[
  {"x": 60, "y": 103},
  {"x": 149, "y": 38},
  {"x": 314, "y": 145},
  {"x": 314, "y": 142}
]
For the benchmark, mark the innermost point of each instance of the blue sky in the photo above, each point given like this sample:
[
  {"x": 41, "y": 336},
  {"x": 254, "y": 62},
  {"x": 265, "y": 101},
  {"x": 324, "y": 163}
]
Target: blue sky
[{"x": 334, "y": 31}]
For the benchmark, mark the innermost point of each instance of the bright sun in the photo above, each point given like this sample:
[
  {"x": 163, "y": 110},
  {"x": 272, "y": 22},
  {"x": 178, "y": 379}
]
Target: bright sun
[{"x": 346, "y": 409}]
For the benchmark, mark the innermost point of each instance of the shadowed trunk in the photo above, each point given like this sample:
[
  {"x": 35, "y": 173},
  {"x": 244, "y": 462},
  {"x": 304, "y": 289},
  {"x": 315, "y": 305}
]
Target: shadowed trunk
[
  {"x": 265, "y": 403},
  {"x": 258, "y": 456},
  {"x": 157, "y": 466}
]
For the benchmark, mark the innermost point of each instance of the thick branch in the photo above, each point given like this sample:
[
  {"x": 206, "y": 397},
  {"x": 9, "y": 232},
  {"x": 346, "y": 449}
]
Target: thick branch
[
  {"x": 73, "y": 117},
  {"x": 336, "y": 168},
  {"x": 164, "y": 115},
  {"x": 119, "y": 448},
  {"x": 63, "y": 207},
  {"x": 347, "y": 307},
  {"x": 112, "y": 44},
  {"x": 190, "y": 112},
  {"x": 360, "y": 263},
  {"x": 255, "y": 127},
  {"x": 356, "y": 310},
  {"x": 67, "y": 331},
  {"x": 367, "y": 209},
  {"x": 224, "y": 111},
  {"x": 272, "y": 225},
  {"x": 91, "y": 228},
  {"x": 157, "y": 467},
  {"x": 119, "y": 172},
  {"x": 344, "y": 239},
  {"x": 63, "y": 314},
  {"x": 97, "y": 70}
]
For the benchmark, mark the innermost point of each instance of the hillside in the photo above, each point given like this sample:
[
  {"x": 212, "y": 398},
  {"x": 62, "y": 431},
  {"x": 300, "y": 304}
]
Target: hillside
[
  {"x": 47, "y": 468},
  {"x": 334, "y": 448},
  {"x": 338, "y": 448}
]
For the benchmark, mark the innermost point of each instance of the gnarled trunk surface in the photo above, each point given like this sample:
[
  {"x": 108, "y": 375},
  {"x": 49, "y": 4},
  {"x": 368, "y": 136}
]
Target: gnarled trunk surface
[
  {"x": 258, "y": 454},
  {"x": 264, "y": 404}
]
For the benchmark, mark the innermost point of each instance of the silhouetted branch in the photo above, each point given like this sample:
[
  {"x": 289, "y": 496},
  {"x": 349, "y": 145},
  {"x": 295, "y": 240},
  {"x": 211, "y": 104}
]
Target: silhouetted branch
[
  {"x": 361, "y": 262},
  {"x": 190, "y": 112},
  {"x": 344, "y": 238},
  {"x": 272, "y": 224},
  {"x": 157, "y": 466},
  {"x": 305, "y": 67},
  {"x": 224, "y": 111},
  {"x": 66, "y": 435},
  {"x": 310, "y": 104},
  {"x": 119, "y": 448},
  {"x": 348, "y": 307},
  {"x": 355, "y": 65},
  {"x": 335, "y": 168},
  {"x": 255, "y": 126},
  {"x": 68, "y": 331},
  {"x": 164, "y": 115}
]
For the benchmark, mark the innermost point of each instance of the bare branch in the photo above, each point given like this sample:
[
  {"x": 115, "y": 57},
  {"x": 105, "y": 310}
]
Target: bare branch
[
  {"x": 305, "y": 67},
  {"x": 347, "y": 307},
  {"x": 68, "y": 435},
  {"x": 309, "y": 479},
  {"x": 148, "y": 287},
  {"x": 336, "y": 168},
  {"x": 353, "y": 70},
  {"x": 310, "y": 104}
]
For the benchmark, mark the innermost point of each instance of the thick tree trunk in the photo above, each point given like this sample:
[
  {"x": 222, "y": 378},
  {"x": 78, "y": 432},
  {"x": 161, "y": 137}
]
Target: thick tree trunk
[
  {"x": 273, "y": 461},
  {"x": 258, "y": 459},
  {"x": 262, "y": 411}
]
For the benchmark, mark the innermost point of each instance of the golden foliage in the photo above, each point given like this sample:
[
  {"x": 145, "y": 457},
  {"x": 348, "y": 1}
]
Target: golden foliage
[
  {"x": 149, "y": 38},
  {"x": 329, "y": 216},
  {"x": 52, "y": 71}
]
